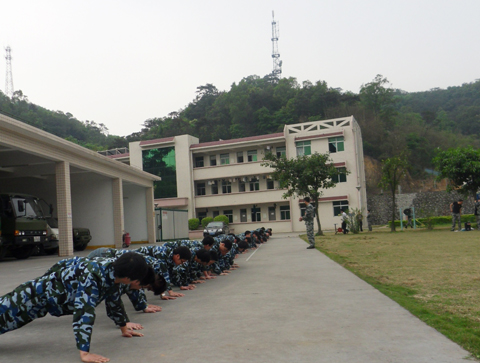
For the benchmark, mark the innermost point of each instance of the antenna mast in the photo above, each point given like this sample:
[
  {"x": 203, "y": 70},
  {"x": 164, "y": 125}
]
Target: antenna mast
[
  {"x": 8, "y": 75},
  {"x": 277, "y": 63}
]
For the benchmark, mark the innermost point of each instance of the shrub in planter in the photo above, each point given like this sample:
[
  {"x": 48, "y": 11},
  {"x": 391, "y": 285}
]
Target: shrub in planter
[
  {"x": 193, "y": 223},
  {"x": 206, "y": 221},
  {"x": 221, "y": 218}
]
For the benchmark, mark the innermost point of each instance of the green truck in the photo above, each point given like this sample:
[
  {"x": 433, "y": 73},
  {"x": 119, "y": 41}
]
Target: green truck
[{"x": 23, "y": 225}]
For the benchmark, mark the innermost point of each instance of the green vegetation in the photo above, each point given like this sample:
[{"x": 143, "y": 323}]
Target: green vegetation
[
  {"x": 391, "y": 120},
  {"x": 305, "y": 175},
  {"x": 432, "y": 273},
  {"x": 221, "y": 218},
  {"x": 193, "y": 224},
  {"x": 206, "y": 221}
]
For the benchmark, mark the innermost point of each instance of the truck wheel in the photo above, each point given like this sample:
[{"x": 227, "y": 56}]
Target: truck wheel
[
  {"x": 23, "y": 252},
  {"x": 80, "y": 247}
]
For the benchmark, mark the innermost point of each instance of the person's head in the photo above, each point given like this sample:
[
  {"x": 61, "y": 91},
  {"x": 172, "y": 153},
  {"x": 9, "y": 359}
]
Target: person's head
[
  {"x": 306, "y": 200},
  {"x": 213, "y": 257},
  {"x": 242, "y": 246},
  {"x": 146, "y": 281},
  {"x": 208, "y": 242},
  {"x": 181, "y": 255},
  {"x": 203, "y": 256},
  {"x": 129, "y": 267},
  {"x": 460, "y": 201},
  {"x": 225, "y": 246},
  {"x": 247, "y": 233},
  {"x": 248, "y": 240}
]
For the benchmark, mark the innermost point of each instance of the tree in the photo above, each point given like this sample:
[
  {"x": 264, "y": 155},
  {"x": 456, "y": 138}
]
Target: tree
[
  {"x": 304, "y": 176},
  {"x": 393, "y": 170},
  {"x": 462, "y": 168}
]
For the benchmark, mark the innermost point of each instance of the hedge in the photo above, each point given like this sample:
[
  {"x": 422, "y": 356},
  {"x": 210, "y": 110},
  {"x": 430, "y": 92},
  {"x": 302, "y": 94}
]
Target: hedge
[
  {"x": 193, "y": 224},
  {"x": 437, "y": 221},
  {"x": 221, "y": 218},
  {"x": 206, "y": 221}
]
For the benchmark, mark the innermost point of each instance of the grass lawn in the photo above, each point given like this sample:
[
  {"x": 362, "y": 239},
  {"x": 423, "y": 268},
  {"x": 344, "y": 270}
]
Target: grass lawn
[{"x": 435, "y": 274}]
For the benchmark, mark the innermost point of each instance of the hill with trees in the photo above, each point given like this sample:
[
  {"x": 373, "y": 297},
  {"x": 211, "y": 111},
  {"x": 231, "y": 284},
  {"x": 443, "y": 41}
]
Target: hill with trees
[{"x": 392, "y": 121}]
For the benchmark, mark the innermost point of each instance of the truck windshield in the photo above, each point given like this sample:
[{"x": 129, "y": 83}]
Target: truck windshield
[{"x": 30, "y": 207}]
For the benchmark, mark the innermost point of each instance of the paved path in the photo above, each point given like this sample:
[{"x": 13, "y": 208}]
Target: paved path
[{"x": 285, "y": 304}]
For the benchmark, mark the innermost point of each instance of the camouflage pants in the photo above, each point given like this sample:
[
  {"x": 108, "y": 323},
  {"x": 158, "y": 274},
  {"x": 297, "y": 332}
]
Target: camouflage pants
[
  {"x": 311, "y": 237},
  {"x": 456, "y": 218},
  {"x": 21, "y": 306}
]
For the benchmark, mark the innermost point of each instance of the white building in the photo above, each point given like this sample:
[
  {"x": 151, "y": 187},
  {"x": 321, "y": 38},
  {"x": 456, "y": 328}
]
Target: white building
[{"x": 225, "y": 176}]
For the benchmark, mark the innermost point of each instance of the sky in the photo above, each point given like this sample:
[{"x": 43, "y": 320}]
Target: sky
[{"x": 120, "y": 62}]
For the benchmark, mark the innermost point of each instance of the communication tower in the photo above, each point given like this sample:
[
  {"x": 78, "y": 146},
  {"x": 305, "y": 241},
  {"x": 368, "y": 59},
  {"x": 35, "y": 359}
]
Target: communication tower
[
  {"x": 8, "y": 75},
  {"x": 277, "y": 63}
]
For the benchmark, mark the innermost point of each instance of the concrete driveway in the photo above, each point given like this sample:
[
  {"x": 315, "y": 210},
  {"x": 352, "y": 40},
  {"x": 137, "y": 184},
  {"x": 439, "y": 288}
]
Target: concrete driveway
[{"x": 284, "y": 304}]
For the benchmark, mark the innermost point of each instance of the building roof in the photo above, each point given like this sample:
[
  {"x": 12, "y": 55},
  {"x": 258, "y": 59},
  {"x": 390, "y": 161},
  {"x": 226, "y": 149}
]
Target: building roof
[{"x": 234, "y": 141}]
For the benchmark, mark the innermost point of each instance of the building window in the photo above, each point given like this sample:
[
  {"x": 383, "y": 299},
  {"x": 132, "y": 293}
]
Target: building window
[
  {"x": 214, "y": 188},
  {"x": 252, "y": 155},
  {"x": 281, "y": 151},
  {"x": 284, "y": 212},
  {"x": 303, "y": 148},
  {"x": 240, "y": 157},
  {"x": 226, "y": 187},
  {"x": 243, "y": 215},
  {"x": 254, "y": 184},
  {"x": 336, "y": 144},
  {"x": 199, "y": 162},
  {"x": 229, "y": 214},
  {"x": 216, "y": 213},
  {"x": 339, "y": 206},
  {"x": 256, "y": 214},
  {"x": 272, "y": 214},
  {"x": 200, "y": 188},
  {"x": 270, "y": 184},
  {"x": 341, "y": 177},
  {"x": 224, "y": 159},
  {"x": 161, "y": 162},
  {"x": 213, "y": 160},
  {"x": 241, "y": 186},
  {"x": 201, "y": 215}
]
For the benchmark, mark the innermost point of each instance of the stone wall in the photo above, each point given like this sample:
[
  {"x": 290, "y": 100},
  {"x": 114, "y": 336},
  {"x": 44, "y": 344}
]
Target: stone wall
[{"x": 425, "y": 204}]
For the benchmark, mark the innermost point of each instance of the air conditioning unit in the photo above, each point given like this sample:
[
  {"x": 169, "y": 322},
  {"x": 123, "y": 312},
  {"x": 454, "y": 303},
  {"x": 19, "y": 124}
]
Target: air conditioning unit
[
  {"x": 268, "y": 147},
  {"x": 244, "y": 179},
  {"x": 209, "y": 182}
]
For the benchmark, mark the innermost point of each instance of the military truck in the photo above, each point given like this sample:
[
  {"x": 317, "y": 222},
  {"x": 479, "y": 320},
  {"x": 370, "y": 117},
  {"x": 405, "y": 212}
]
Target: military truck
[
  {"x": 23, "y": 227},
  {"x": 81, "y": 237}
]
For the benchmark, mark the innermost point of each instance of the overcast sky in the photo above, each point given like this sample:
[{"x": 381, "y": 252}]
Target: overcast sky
[{"x": 121, "y": 62}]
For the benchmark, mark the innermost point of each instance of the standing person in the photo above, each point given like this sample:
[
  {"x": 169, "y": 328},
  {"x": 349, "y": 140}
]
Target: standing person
[
  {"x": 344, "y": 221},
  {"x": 369, "y": 220},
  {"x": 75, "y": 287},
  {"x": 308, "y": 218},
  {"x": 359, "y": 217},
  {"x": 456, "y": 209},
  {"x": 477, "y": 212},
  {"x": 408, "y": 213}
]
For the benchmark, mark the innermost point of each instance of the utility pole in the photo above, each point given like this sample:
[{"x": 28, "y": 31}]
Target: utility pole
[
  {"x": 8, "y": 76},
  {"x": 277, "y": 63}
]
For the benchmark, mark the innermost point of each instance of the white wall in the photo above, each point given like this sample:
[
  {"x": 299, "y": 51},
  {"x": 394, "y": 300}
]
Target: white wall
[
  {"x": 135, "y": 212},
  {"x": 92, "y": 207}
]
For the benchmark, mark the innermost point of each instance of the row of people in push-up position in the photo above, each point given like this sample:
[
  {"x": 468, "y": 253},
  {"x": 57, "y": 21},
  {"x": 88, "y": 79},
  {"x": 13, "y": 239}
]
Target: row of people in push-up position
[{"x": 75, "y": 286}]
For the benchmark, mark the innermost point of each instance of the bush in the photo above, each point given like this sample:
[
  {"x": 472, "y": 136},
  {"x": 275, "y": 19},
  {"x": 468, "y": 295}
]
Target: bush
[
  {"x": 193, "y": 223},
  {"x": 437, "y": 221},
  {"x": 221, "y": 218},
  {"x": 206, "y": 221}
]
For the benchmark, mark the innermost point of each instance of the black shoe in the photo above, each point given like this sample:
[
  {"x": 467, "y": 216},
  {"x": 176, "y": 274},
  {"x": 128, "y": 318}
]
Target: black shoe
[{"x": 310, "y": 247}]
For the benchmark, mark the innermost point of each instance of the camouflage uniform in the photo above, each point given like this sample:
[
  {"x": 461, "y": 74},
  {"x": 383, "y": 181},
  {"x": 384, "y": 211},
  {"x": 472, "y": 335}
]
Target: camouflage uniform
[
  {"x": 308, "y": 218},
  {"x": 71, "y": 287},
  {"x": 173, "y": 274}
]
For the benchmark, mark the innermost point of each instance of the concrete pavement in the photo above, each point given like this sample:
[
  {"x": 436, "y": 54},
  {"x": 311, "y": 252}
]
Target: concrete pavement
[{"x": 284, "y": 304}]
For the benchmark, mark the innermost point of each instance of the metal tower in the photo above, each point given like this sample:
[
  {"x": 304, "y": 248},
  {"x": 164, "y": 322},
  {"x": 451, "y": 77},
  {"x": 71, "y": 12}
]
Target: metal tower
[
  {"x": 277, "y": 63},
  {"x": 8, "y": 75}
]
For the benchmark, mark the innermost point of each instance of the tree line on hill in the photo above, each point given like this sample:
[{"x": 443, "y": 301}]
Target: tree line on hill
[{"x": 392, "y": 121}]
